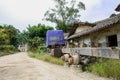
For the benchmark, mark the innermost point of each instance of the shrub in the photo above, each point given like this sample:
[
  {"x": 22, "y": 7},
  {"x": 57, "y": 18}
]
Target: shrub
[
  {"x": 40, "y": 53},
  {"x": 41, "y": 49},
  {"x": 7, "y": 49},
  {"x": 107, "y": 68}
]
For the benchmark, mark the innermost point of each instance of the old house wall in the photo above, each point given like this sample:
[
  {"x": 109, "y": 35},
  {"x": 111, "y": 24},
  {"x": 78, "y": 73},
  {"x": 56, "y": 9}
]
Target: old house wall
[
  {"x": 84, "y": 41},
  {"x": 70, "y": 44},
  {"x": 101, "y": 36},
  {"x": 87, "y": 41},
  {"x": 98, "y": 38},
  {"x": 118, "y": 36},
  {"x": 80, "y": 42},
  {"x": 67, "y": 44},
  {"x": 81, "y": 28}
]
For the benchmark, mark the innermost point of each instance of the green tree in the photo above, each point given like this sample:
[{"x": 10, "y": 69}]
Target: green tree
[
  {"x": 37, "y": 31},
  {"x": 35, "y": 42},
  {"x": 4, "y": 37},
  {"x": 13, "y": 34},
  {"x": 23, "y": 38},
  {"x": 65, "y": 13},
  {"x": 35, "y": 35}
]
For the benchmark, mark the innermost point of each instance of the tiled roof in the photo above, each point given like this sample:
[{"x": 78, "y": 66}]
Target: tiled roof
[
  {"x": 117, "y": 8},
  {"x": 99, "y": 25}
]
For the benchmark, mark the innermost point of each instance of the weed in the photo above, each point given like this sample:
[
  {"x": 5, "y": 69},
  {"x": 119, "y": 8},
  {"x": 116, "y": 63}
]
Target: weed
[
  {"x": 46, "y": 57},
  {"x": 106, "y": 68}
]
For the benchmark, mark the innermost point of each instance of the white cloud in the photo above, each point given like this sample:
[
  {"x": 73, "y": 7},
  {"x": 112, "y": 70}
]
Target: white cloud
[
  {"x": 91, "y": 3},
  {"x": 20, "y": 13},
  {"x": 26, "y": 10}
]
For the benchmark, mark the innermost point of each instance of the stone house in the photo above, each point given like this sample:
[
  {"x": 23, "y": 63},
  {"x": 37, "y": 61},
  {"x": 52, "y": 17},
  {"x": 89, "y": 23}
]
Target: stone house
[
  {"x": 76, "y": 29},
  {"x": 104, "y": 33}
]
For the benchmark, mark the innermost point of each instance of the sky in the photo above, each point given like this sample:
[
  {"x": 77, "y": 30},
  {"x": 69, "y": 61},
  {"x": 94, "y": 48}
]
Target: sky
[{"x": 21, "y": 13}]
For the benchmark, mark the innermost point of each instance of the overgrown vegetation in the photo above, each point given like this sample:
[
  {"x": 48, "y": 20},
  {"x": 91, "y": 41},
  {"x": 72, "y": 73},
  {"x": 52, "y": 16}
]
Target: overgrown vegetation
[
  {"x": 35, "y": 35},
  {"x": 9, "y": 39},
  {"x": 42, "y": 55},
  {"x": 9, "y": 35},
  {"x": 106, "y": 68},
  {"x": 7, "y": 49}
]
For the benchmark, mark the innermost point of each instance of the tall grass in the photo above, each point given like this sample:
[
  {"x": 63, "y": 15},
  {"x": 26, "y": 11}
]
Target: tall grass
[
  {"x": 42, "y": 55},
  {"x": 107, "y": 68},
  {"x": 46, "y": 57},
  {"x": 7, "y": 49}
]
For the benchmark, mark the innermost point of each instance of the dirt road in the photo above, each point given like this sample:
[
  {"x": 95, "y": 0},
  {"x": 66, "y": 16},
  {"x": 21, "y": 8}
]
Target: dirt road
[{"x": 20, "y": 67}]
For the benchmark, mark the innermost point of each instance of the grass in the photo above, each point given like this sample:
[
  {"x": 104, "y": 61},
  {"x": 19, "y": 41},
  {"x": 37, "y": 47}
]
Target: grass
[
  {"x": 40, "y": 53},
  {"x": 7, "y": 49},
  {"x": 3, "y": 53},
  {"x": 109, "y": 68},
  {"x": 46, "y": 57},
  {"x": 106, "y": 68}
]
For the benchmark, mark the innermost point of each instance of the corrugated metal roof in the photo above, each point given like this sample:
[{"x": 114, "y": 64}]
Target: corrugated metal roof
[{"x": 99, "y": 25}]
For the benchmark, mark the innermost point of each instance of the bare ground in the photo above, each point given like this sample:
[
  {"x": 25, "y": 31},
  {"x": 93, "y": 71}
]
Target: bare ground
[{"x": 21, "y": 67}]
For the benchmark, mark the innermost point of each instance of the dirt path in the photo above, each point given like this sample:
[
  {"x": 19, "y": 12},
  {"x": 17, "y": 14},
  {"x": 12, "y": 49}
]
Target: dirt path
[{"x": 20, "y": 67}]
